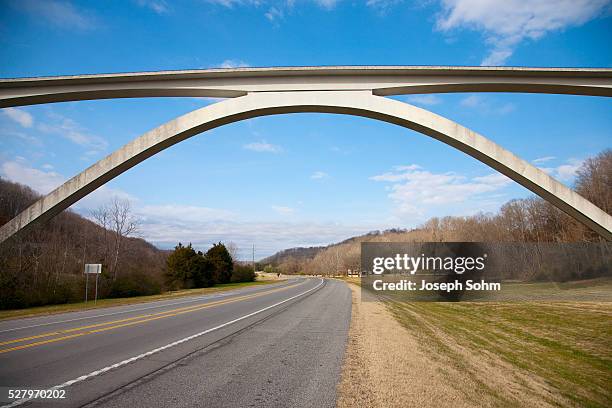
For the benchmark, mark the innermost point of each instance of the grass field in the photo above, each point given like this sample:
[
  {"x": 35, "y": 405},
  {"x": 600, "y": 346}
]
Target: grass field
[
  {"x": 554, "y": 353},
  {"x": 103, "y": 303},
  {"x": 566, "y": 347}
]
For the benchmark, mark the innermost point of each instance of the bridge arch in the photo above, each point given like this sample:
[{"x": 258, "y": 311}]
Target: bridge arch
[{"x": 358, "y": 103}]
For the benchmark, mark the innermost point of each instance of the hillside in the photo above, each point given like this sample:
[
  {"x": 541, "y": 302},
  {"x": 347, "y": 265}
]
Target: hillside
[
  {"x": 301, "y": 253},
  {"x": 46, "y": 265},
  {"x": 308, "y": 253}
]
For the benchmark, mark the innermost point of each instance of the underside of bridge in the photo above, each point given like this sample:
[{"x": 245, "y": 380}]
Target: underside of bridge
[{"x": 355, "y": 91}]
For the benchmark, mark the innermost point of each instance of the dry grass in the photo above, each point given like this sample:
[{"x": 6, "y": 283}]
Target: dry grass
[
  {"x": 104, "y": 303},
  {"x": 555, "y": 354},
  {"x": 477, "y": 354},
  {"x": 385, "y": 367}
]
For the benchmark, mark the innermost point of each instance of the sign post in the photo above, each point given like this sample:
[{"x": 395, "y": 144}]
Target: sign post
[
  {"x": 96, "y": 298},
  {"x": 97, "y": 270}
]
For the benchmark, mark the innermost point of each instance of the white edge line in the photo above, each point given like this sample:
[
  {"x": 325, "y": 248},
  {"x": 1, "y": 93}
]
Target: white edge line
[
  {"x": 195, "y": 299},
  {"x": 157, "y": 350}
]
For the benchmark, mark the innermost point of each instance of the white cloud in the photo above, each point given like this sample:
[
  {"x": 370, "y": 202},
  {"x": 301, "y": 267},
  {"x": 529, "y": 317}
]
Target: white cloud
[
  {"x": 565, "y": 172},
  {"x": 263, "y": 147},
  {"x": 327, "y": 4},
  {"x": 282, "y": 210},
  {"x": 268, "y": 237},
  {"x": 233, "y": 64},
  {"x": 40, "y": 181},
  {"x": 20, "y": 116},
  {"x": 232, "y": 3},
  {"x": 427, "y": 100},
  {"x": 71, "y": 130},
  {"x": 471, "y": 101},
  {"x": 274, "y": 14},
  {"x": 494, "y": 180},
  {"x": 496, "y": 58},
  {"x": 505, "y": 24},
  {"x": 43, "y": 182},
  {"x": 415, "y": 190},
  {"x": 59, "y": 13},
  {"x": 318, "y": 175},
  {"x": 544, "y": 159},
  {"x": 158, "y": 6},
  {"x": 408, "y": 167},
  {"x": 184, "y": 214},
  {"x": 275, "y": 10},
  {"x": 486, "y": 106},
  {"x": 382, "y": 6},
  {"x": 102, "y": 196},
  {"x": 29, "y": 139},
  {"x": 167, "y": 224},
  {"x": 505, "y": 108},
  {"x": 400, "y": 173}
]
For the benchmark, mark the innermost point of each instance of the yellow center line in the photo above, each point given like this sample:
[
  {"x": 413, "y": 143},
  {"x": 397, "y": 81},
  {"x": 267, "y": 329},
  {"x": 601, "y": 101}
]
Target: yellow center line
[{"x": 144, "y": 318}]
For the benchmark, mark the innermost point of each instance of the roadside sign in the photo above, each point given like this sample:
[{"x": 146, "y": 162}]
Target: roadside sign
[
  {"x": 93, "y": 268},
  {"x": 96, "y": 269}
]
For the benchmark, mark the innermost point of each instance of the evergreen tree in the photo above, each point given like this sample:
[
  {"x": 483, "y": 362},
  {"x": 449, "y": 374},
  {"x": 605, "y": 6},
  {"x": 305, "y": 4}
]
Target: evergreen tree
[
  {"x": 202, "y": 271},
  {"x": 221, "y": 263},
  {"x": 179, "y": 267}
]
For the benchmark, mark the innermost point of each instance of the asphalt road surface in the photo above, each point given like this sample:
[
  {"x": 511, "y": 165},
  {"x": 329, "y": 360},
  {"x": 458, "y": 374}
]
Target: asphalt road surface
[{"x": 277, "y": 345}]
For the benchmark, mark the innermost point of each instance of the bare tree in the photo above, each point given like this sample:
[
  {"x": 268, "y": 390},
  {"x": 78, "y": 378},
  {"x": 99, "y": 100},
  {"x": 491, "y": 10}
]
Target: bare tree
[
  {"x": 119, "y": 223},
  {"x": 594, "y": 180},
  {"x": 233, "y": 249},
  {"x": 102, "y": 217}
]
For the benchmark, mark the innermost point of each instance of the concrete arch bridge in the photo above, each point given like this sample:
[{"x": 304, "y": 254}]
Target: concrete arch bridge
[{"x": 359, "y": 91}]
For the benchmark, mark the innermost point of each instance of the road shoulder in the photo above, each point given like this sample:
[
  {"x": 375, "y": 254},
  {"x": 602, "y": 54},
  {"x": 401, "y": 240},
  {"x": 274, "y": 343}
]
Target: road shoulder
[{"x": 388, "y": 366}]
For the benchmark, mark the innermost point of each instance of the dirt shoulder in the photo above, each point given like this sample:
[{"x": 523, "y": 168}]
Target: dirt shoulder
[
  {"x": 389, "y": 364},
  {"x": 384, "y": 366}
]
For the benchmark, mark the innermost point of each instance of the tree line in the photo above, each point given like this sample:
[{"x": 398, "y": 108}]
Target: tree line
[
  {"x": 532, "y": 220},
  {"x": 186, "y": 268},
  {"x": 46, "y": 265}
]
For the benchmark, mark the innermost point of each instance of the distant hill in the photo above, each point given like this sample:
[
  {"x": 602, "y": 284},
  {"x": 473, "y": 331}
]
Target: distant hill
[
  {"x": 300, "y": 253},
  {"x": 306, "y": 254}
]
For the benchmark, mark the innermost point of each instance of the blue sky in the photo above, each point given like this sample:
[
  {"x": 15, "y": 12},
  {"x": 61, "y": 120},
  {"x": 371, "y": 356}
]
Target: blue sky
[{"x": 305, "y": 179}]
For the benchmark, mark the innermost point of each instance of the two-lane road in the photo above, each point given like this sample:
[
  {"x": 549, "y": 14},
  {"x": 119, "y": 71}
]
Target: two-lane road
[{"x": 273, "y": 345}]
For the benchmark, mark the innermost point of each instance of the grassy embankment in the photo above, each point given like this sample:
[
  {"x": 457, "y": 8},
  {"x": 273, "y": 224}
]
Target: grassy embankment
[
  {"x": 567, "y": 346},
  {"x": 103, "y": 303}
]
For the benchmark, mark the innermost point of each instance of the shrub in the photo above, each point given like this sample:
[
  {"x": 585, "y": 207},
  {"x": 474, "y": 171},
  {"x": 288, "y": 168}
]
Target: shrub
[
  {"x": 135, "y": 284},
  {"x": 243, "y": 273}
]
